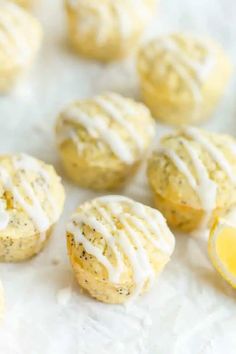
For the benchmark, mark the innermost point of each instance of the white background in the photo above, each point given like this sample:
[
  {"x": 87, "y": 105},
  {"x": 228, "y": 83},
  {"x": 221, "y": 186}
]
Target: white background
[{"x": 191, "y": 309}]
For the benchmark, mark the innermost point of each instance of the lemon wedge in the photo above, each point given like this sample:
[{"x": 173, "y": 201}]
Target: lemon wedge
[{"x": 222, "y": 247}]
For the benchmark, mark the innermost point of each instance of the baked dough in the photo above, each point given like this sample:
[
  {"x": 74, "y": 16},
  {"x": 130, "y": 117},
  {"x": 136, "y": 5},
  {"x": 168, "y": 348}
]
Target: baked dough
[
  {"x": 193, "y": 177},
  {"x": 117, "y": 247},
  {"x": 107, "y": 29},
  {"x": 182, "y": 77},
  {"x": 20, "y": 39},
  {"x": 31, "y": 201},
  {"x": 102, "y": 140}
]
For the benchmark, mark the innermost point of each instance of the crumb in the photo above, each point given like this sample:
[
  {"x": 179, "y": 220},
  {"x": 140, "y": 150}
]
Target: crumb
[{"x": 55, "y": 261}]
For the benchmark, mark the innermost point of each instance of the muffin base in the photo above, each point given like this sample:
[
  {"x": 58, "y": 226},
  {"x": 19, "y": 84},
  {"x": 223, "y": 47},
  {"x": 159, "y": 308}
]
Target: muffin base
[
  {"x": 102, "y": 290},
  {"x": 106, "y": 53},
  {"x": 19, "y": 249},
  {"x": 96, "y": 177},
  {"x": 183, "y": 217},
  {"x": 174, "y": 112}
]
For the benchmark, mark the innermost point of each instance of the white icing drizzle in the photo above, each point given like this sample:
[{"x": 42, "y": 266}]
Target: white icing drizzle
[
  {"x": 124, "y": 19},
  {"x": 142, "y": 8},
  {"x": 116, "y": 114},
  {"x": 180, "y": 164},
  {"x": 126, "y": 14},
  {"x": 141, "y": 254},
  {"x": 203, "y": 185},
  {"x": 93, "y": 250},
  {"x": 99, "y": 227},
  {"x": 27, "y": 163},
  {"x": 206, "y": 187},
  {"x": 97, "y": 127},
  {"x": 97, "y": 22},
  {"x": 142, "y": 273},
  {"x": 30, "y": 203},
  {"x": 118, "y": 111},
  {"x": 154, "y": 227},
  {"x": 125, "y": 106},
  {"x": 109, "y": 211},
  {"x": 212, "y": 149},
  {"x": 184, "y": 65},
  {"x": 12, "y": 20}
]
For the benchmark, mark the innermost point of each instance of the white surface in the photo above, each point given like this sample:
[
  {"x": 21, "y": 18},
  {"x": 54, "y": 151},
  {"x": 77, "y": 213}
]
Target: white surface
[{"x": 191, "y": 309}]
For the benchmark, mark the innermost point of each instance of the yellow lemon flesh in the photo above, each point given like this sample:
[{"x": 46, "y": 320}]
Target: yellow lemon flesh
[{"x": 222, "y": 250}]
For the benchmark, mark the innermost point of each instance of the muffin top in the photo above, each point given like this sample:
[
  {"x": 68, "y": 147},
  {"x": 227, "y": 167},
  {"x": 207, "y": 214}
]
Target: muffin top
[
  {"x": 106, "y": 129},
  {"x": 20, "y": 36},
  {"x": 31, "y": 196},
  {"x": 108, "y": 18},
  {"x": 117, "y": 239},
  {"x": 179, "y": 63},
  {"x": 195, "y": 168}
]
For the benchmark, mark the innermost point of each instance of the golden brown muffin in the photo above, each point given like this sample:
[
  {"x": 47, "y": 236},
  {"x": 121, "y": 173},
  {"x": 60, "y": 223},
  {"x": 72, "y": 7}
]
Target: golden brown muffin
[
  {"x": 117, "y": 247},
  {"x": 20, "y": 39},
  {"x": 102, "y": 140},
  {"x": 182, "y": 77},
  {"x": 193, "y": 177},
  {"x": 31, "y": 201},
  {"x": 107, "y": 29}
]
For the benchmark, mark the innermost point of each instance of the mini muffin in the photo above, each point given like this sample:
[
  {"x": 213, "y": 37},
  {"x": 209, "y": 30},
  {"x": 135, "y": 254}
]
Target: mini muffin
[
  {"x": 182, "y": 77},
  {"x": 117, "y": 247},
  {"x": 102, "y": 140},
  {"x": 20, "y": 39},
  {"x": 107, "y": 29},
  {"x": 31, "y": 201},
  {"x": 193, "y": 177}
]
